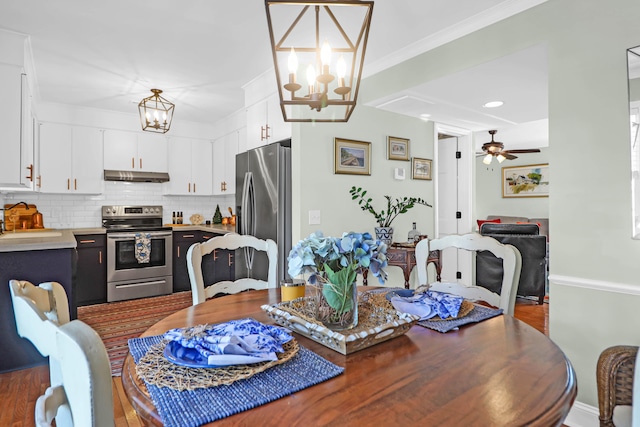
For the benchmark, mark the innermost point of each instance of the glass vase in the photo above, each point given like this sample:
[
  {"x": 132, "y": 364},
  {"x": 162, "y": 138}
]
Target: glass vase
[{"x": 337, "y": 306}]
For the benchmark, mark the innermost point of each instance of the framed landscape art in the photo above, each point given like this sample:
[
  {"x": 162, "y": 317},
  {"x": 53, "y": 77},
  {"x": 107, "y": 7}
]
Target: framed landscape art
[
  {"x": 351, "y": 157},
  {"x": 420, "y": 168},
  {"x": 397, "y": 148},
  {"x": 525, "y": 181}
]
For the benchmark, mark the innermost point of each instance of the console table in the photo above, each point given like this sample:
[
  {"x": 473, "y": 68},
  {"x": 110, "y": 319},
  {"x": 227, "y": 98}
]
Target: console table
[{"x": 405, "y": 258}]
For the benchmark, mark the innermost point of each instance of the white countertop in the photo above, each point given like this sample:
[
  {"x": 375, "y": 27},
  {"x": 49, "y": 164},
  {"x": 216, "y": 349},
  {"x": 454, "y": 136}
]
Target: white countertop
[{"x": 30, "y": 241}]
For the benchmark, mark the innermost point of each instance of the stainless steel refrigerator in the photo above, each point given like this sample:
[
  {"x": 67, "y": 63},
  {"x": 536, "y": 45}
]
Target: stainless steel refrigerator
[{"x": 263, "y": 206}]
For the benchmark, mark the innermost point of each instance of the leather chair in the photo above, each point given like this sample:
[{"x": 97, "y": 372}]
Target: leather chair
[{"x": 533, "y": 248}]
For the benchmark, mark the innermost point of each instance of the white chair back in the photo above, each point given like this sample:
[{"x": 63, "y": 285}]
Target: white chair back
[
  {"x": 38, "y": 309},
  {"x": 232, "y": 241},
  {"x": 511, "y": 261},
  {"x": 83, "y": 395}
]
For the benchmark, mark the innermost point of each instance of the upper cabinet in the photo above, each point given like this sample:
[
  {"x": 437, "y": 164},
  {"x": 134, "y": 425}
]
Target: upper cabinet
[
  {"x": 265, "y": 123},
  {"x": 70, "y": 159},
  {"x": 135, "y": 151},
  {"x": 16, "y": 130},
  {"x": 189, "y": 167},
  {"x": 224, "y": 161}
]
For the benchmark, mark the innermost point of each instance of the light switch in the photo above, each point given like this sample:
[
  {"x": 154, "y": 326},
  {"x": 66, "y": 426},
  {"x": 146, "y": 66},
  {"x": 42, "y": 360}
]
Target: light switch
[{"x": 314, "y": 217}]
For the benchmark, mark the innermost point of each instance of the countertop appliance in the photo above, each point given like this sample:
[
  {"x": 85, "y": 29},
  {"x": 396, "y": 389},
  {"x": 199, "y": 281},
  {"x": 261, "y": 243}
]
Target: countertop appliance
[
  {"x": 263, "y": 206},
  {"x": 131, "y": 274}
]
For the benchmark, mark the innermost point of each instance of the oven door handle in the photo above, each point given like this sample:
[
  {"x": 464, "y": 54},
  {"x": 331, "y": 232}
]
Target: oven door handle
[{"x": 129, "y": 236}]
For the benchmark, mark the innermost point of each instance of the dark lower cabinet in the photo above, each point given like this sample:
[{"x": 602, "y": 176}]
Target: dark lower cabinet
[
  {"x": 216, "y": 266},
  {"x": 91, "y": 274},
  {"x": 54, "y": 265}
]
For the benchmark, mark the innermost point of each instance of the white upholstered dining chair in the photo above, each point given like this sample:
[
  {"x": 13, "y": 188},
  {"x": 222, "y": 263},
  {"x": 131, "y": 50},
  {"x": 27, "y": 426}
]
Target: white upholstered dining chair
[
  {"x": 511, "y": 262},
  {"x": 231, "y": 241}
]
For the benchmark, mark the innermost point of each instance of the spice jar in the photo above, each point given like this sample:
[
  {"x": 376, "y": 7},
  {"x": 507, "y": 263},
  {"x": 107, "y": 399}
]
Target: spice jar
[{"x": 292, "y": 289}]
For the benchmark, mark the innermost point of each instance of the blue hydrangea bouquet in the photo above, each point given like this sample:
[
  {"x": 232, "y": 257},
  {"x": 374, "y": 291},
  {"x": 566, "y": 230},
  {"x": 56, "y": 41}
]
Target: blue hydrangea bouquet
[{"x": 333, "y": 264}]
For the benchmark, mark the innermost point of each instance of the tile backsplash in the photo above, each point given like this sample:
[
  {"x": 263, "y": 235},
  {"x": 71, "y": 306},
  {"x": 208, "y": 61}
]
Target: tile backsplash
[{"x": 83, "y": 211}]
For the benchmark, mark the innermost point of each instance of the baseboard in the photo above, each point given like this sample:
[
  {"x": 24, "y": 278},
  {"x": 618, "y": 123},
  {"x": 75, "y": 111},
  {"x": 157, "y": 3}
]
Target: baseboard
[{"x": 582, "y": 415}]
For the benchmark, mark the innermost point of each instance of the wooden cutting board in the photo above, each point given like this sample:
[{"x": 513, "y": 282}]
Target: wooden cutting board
[{"x": 23, "y": 213}]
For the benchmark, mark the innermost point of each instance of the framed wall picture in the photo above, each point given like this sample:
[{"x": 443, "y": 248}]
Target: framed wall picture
[
  {"x": 525, "y": 181},
  {"x": 397, "y": 148},
  {"x": 351, "y": 157},
  {"x": 420, "y": 168}
]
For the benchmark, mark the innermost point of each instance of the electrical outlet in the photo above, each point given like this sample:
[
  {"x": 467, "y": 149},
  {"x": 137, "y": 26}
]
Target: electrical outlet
[{"x": 314, "y": 217}]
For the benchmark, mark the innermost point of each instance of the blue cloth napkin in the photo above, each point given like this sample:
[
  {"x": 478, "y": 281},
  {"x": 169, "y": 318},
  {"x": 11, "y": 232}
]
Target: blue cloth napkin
[
  {"x": 143, "y": 248},
  {"x": 428, "y": 304},
  {"x": 242, "y": 341}
]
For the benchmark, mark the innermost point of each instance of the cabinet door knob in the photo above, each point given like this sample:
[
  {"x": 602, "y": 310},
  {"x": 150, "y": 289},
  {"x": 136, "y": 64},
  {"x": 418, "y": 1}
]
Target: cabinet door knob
[
  {"x": 189, "y": 187},
  {"x": 75, "y": 183},
  {"x": 100, "y": 256},
  {"x": 230, "y": 259},
  {"x": 140, "y": 162},
  {"x": 194, "y": 187},
  {"x": 68, "y": 184},
  {"x": 133, "y": 163},
  {"x": 39, "y": 181},
  {"x": 267, "y": 132},
  {"x": 30, "y": 177}
]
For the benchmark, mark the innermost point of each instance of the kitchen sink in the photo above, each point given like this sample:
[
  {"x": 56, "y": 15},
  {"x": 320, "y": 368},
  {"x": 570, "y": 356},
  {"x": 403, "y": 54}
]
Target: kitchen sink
[{"x": 30, "y": 234}]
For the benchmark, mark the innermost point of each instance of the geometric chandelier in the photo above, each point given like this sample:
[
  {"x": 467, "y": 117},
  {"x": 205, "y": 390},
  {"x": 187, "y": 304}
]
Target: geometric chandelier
[
  {"x": 156, "y": 113},
  {"x": 327, "y": 40}
]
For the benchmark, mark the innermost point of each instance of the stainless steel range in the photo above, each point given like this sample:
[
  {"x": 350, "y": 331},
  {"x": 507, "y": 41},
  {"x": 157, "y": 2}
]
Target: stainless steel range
[{"x": 133, "y": 273}]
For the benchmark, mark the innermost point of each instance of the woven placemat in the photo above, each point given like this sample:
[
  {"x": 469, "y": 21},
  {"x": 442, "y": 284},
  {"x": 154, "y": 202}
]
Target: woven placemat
[
  {"x": 155, "y": 369},
  {"x": 379, "y": 297},
  {"x": 205, "y": 405}
]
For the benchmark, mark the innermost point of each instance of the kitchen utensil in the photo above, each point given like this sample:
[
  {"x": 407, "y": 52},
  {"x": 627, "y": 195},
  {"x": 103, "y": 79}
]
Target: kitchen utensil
[{"x": 37, "y": 220}]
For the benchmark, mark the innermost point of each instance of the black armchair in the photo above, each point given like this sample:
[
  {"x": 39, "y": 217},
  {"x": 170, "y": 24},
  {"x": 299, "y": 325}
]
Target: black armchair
[{"x": 532, "y": 247}]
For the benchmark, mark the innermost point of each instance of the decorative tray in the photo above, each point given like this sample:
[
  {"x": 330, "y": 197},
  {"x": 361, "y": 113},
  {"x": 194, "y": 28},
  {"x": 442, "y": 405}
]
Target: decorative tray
[{"x": 376, "y": 324}]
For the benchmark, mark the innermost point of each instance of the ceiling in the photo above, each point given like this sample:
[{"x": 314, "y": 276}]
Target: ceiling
[{"x": 108, "y": 55}]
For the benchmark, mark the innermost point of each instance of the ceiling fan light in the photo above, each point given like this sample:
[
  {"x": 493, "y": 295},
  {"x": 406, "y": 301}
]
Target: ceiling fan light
[
  {"x": 487, "y": 159},
  {"x": 501, "y": 158}
]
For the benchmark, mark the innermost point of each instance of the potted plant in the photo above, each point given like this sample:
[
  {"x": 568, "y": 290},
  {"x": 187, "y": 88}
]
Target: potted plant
[
  {"x": 384, "y": 218},
  {"x": 334, "y": 264}
]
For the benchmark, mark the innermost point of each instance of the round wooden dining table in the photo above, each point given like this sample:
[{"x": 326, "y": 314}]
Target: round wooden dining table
[{"x": 498, "y": 372}]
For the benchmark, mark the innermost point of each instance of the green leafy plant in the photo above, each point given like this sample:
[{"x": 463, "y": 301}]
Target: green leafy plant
[
  {"x": 333, "y": 264},
  {"x": 395, "y": 207}
]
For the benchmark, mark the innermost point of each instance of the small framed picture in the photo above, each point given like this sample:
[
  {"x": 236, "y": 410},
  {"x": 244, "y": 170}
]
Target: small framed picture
[
  {"x": 397, "y": 148},
  {"x": 525, "y": 181},
  {"x": 420, "y": 168},
  {"x": 351, "y": 157}
]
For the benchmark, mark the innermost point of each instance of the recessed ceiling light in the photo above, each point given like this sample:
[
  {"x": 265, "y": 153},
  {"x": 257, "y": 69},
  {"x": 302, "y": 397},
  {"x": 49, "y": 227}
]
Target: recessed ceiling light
[{"x": 493, "y": 104}]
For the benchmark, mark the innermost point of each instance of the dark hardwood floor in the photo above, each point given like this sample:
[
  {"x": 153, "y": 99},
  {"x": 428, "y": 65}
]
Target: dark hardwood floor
[{"x": 20, "y": 389}]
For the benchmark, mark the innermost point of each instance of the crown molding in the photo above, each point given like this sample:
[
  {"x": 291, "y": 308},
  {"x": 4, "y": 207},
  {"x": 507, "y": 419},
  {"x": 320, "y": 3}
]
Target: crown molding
[{"x": 474, "y": 23}]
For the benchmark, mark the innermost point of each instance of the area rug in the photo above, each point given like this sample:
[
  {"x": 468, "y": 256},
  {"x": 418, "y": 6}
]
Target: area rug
[{"x": 116, "y": 322}]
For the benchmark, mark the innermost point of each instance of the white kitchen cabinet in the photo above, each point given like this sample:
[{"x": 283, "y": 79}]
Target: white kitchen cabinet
[
  {"x": 189, "y": 167},
  {"x": 132, "y": 151},
  {"x": 224, "y": 162},
  {"x": 265, "y": 123},
  {"x": 16, "y": 160},
  {"x": 70, "y": 159}
]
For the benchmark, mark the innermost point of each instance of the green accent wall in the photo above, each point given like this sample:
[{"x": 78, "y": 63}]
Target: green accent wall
[{"x": 590, "y": 201}]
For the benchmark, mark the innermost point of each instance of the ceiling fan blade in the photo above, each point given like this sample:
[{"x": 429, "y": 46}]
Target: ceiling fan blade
[
  {"x": 528, "y": 150},
  {"x": 508, "y": 156}
]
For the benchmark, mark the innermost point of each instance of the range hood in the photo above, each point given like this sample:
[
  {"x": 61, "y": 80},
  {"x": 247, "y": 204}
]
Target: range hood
[{"x": 135, "y": 176}]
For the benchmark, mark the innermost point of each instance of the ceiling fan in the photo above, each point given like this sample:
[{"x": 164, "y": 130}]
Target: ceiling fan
[{"x": 496, "y": 149}]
